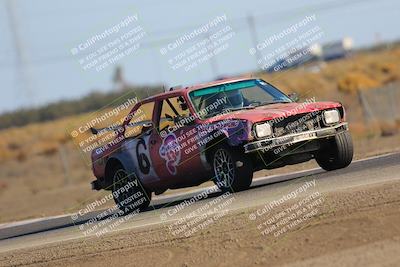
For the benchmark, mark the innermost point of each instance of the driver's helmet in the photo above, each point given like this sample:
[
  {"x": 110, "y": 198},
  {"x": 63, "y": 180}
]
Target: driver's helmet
[{"x": 234, "y": 98}]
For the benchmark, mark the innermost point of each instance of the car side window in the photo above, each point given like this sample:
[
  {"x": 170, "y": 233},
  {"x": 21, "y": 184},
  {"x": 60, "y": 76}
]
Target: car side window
[
  {"x": 141, "y": 120},
  {"x": 174, "y": 113}
]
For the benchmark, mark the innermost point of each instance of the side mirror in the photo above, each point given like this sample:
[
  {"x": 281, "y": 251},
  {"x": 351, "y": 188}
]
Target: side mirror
[
  {"x": 182, "y": 103},
  {"x": 94, "y": 130},
  {"x": 184, "y": 106},
  {"x": 294, "y": 97}
]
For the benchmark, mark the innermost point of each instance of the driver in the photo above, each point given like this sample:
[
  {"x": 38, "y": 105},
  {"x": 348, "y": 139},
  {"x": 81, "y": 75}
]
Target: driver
[{"x": 234, "y": 98}]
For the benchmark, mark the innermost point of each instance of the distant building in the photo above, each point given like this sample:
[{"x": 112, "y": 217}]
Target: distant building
[
  {"x": 326, "y": 52},
  {"x": 338, "y": 49},
  {"x": 296, "y": 58}
]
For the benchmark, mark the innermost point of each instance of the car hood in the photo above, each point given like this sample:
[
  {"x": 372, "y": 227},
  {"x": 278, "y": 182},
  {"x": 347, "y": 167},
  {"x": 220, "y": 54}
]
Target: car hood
[{"x": 272, "y": 111}]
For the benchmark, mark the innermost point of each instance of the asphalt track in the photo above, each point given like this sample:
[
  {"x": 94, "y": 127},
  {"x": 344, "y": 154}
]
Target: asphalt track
[{"x": 263, "y": 190}]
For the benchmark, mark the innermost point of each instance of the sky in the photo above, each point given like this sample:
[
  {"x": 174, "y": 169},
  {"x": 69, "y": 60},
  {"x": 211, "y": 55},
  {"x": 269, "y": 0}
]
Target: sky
[{"x": 38, "y": 63}]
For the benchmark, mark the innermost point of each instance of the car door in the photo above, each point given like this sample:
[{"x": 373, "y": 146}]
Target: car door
[
  {"x": 173, "y": 144},
  {"x": 137, "y": 143}
]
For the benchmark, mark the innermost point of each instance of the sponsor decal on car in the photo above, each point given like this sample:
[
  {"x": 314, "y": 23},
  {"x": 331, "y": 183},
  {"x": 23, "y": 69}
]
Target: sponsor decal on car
[{"x": 170, "y": 151}]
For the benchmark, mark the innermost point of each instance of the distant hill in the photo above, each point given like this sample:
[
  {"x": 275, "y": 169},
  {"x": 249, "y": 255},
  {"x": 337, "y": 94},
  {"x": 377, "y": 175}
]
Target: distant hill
[{"x": 60, "y": 109}]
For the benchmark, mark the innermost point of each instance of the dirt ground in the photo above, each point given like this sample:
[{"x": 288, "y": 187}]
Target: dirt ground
[
  {"x": 38, "y": 187},
  {"x": 357, "y": 226}
]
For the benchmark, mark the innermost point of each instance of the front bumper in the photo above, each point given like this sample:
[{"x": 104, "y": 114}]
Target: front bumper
[{"x": 267, "y": 144}]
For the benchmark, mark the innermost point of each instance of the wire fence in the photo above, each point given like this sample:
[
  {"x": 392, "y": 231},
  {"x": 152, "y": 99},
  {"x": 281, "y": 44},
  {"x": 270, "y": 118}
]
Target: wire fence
[{"x": 381, "y": 104}]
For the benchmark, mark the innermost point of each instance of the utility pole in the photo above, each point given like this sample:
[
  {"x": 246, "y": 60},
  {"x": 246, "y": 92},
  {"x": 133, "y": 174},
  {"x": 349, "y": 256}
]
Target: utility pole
[
  {"x": 23, "y": 84},
  {"x": 253, "y": 33},
  {"x": 213, "y": 60}
]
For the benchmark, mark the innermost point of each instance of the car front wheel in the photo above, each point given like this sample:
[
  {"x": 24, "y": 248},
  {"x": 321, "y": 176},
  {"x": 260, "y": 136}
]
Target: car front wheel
[
  {"x": 233, "y": 171},
  {"x": 337, "y": 154}
]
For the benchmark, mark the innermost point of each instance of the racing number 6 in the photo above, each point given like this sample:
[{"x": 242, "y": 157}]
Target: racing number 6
[{"x": 143, "y": 160}]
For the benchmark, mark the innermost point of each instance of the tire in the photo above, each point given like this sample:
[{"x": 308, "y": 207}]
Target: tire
[
  {"x": 128, "y": 193},
  {"x": 337, "y": 154},
  {"x": 233, "y": 171}
]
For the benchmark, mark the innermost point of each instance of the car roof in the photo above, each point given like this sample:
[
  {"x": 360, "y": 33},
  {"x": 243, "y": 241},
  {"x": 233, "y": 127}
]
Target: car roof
[{"x": 194, "y": 87}]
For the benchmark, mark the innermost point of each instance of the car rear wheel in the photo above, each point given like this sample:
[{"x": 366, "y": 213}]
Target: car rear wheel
[
  {"x": 337, "y": 154},
  {"x": 233, "y": 171},
  {"x": 128, "y": 193}
]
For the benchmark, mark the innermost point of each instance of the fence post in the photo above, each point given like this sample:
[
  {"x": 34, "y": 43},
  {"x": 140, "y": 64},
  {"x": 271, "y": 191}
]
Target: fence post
[
  {"x": 367, "y": 114},
  {"x": 64, "y": 160}
]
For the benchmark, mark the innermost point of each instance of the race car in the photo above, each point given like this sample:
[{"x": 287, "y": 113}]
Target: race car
[{"x": 221, "y": 131}]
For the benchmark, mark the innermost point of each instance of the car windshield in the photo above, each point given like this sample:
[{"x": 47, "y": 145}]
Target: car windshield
[{"x": 211, "y": 101}]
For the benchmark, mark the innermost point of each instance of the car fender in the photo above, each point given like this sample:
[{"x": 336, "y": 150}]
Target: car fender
[
  {"x": 235, "y": 132},
  {"x": 232, "y": 134},
  {"x": 135, "y": 158},
  {"x": 125, "y": 160}
]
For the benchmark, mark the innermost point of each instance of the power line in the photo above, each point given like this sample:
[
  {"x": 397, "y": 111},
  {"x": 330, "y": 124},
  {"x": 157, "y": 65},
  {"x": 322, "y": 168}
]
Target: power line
[{"x": 240, "y": 24}]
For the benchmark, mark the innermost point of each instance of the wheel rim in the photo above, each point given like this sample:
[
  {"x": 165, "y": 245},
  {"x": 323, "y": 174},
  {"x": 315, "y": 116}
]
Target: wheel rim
[
  {"x": 223, "y": 168},
  {"x": 120, "y": 179}
]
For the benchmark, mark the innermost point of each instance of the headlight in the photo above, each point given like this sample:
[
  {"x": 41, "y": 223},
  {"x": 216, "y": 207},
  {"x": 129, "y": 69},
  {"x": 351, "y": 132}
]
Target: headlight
[
  {"x": 263, "y": 130},
  {"x": 331, "y": 116}
]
